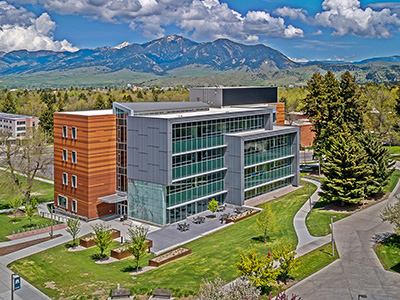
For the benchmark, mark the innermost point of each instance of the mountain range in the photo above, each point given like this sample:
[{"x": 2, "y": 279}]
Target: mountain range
[
  {"x": 169, "y": 59},
  {"x": 158, "y": 57}
]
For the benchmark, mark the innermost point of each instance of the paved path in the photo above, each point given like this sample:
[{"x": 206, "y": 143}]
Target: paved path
[
  {"x": 36, "y": 177},
  {"x": 358, "y": 271}
]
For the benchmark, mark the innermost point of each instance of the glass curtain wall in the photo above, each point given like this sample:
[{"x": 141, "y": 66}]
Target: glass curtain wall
[
  {"x": 259, "y": 169},
  {"x": 122, "y": 179}
]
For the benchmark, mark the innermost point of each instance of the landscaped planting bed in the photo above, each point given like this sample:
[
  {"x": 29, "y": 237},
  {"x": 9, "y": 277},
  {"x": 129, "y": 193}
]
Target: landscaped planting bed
[
  {"x": 169, "y": 256},
  {"x": 241, "y": 216},
  {"x": 88, "y": 240},
  {"x": 122, "y": 251}
]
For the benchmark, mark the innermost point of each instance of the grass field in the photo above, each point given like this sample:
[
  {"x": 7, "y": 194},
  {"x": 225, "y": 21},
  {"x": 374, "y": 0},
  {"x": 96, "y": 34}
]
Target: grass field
[
  {"x": 389, "y": 253},
  {"x": 393, "y": 149},
  {"x": 213, "y": 255},
  {"x": 42, "y": 191},
  {"x": 318, "y": 219},
  {"x": 7, "y": 225}
]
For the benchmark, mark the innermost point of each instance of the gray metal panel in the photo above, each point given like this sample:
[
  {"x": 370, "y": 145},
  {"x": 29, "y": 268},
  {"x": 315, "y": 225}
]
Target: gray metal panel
[
  {"x": 234, "y": 179},
  {"x": 211, "y": 96},
  {"x": 249, "y": 95},
  {"x": 149, "y": 155},
  {"x": 258, "y": 134},
  {"x": 296, "y": 159}
]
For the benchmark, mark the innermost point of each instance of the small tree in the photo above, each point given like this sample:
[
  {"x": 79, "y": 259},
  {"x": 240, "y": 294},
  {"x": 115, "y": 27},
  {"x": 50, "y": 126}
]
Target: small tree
[
  {"x": 103, "y": 237},
  {"x": 213, "y": 205},
  {"x": 288, "y": 262},
  {"x": 99, "y": 103},
  {"x": 391, "y": 214},
  {"x": 14, "y": 203},
  {"x": 30, "y": 209},
  {"x": 239, "y": 289},
  {"x": 259, "y": 270},
  {"x": 74, "y": 227},
  {"x": 266, "y": 221},
  {"x": 138, "y": 244}
]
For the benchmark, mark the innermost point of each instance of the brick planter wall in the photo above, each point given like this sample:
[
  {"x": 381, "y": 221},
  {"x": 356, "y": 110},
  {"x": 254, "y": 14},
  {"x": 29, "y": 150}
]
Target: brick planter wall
[
  {"x": 91, "y": 243},
  {"x": 120, "y": 255},
  {"x": 229, "y": 220},
  {"x": 154, "y": 263}
]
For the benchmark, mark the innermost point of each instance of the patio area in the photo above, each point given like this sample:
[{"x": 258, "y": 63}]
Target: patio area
[{"x": 169, "y": 236}]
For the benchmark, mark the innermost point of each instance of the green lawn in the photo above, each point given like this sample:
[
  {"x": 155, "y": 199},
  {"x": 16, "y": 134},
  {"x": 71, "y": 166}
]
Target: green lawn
[
  {"x": 7, "y": 225},
  {"x": 393, "y": 181},
  {"x": 393, "y": 149},
  {"x": 42, "y": 191},
  {"x": 389, "y": 253},
  {"x": 213, "y": 255},
  {"x": 318, "y": 219}
]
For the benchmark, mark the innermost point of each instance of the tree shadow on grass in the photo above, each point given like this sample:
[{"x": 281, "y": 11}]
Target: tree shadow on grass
[
  {"x": 392, "y": 241},
  {"x": 260, "y": 239},
  {"x": 130, "y": 269},
  {"x": 396, "y": 268},
  {"x": 97, "y": 256}
]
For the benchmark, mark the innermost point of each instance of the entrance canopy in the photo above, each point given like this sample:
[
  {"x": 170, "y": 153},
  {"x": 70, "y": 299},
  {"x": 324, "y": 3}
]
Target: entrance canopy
[{"x": 114, "y": 198}]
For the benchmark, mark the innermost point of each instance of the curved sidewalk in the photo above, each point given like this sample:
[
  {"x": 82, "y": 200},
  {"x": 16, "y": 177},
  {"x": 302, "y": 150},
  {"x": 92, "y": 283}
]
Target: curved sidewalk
[
  {"x": 307, "y": 242},
  {"x": 358, "y": 271}
]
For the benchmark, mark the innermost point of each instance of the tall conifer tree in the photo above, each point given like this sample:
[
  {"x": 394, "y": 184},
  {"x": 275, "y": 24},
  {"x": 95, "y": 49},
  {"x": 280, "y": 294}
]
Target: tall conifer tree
[
  {"x": 346, "y": 170},
  {"x": 379, "y": 163}
]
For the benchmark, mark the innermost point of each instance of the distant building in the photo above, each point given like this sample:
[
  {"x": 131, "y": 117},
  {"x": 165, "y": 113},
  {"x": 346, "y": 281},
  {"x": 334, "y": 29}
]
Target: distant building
[
  {"x": 301, "y": 120},
  {"x": 161, "y": 162},
  {"x": 17, "y": 125}
]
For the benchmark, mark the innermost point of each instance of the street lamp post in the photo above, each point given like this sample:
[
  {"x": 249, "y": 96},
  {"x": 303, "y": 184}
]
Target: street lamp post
[
  {"x": 51, "y": 222},
  {"x": 333, "y": 240}
]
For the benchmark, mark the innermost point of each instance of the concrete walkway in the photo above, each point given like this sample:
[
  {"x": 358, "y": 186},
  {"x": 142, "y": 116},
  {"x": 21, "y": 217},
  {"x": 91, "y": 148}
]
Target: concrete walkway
[
  {"x": 36, "y": 177},
  {"x": 358, "y": 271}
]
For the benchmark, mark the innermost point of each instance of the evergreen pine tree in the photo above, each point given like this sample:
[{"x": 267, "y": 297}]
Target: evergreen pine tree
[
  {"x": 99, "y": 103},
  {"x": 378, "y": 163},
  {"x": 346, "y": 170},
  {"x": 109, "y": 102},
  {"x": 354, "y": 107},
  {"x": 47, "y": 121},
  {"x": 9, "y": 104},
  {"x": 140, "y": 95}
]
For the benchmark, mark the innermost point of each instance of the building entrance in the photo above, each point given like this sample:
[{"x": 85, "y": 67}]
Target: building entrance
[{"x": 122, "y": 209}]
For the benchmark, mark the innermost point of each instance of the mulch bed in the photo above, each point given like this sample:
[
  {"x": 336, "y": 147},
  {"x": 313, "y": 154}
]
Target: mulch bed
[
  {"x": 36, "y": 232},
  {"x": 10, "y": 249}
]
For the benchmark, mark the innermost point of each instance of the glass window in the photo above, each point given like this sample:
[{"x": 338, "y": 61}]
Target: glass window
[
  {"x": 73, "y": 133},
  {"x": 65, "y": 131},
  {"x": 74, "y": 181},
  {"x": 74, "y": 206},
  {"x": 65, "y": 155},
  {"x": 73, "y": 157},
  {"x": 65, "y": 178},
  {"x": 62, "y": 201}
]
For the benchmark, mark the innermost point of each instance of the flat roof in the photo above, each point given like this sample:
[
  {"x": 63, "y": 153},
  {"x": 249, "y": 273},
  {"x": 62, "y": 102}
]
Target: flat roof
[
  {"x": 159, "y": 106},
  {"x": 14, "y": 116},
  {"x": 259, "y": 131},
  {"x": 99, "y": 112},
  {"x": 211, "y": 111},
  {"x": 231, "y": 87}
]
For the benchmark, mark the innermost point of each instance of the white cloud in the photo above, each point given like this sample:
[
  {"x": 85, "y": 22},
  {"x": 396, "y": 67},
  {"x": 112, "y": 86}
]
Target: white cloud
[
  {"x": 292, "y": 13},
  {"x": 20, "y": 29},
  {"x": 206, "y": 19},
  {"x": 299, "y": 60},
  {"x": 318, "y": 32},
  {"x": 347, "y": 17}
]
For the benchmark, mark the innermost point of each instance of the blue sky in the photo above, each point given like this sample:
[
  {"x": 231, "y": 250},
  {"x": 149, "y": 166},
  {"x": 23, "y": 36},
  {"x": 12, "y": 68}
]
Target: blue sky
[{"x": 303, "y": 30}]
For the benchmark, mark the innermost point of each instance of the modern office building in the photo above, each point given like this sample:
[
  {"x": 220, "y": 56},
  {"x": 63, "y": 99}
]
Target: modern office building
[
  {"x": 16, "y": 125},
  {"x": 172, "y": 158}
]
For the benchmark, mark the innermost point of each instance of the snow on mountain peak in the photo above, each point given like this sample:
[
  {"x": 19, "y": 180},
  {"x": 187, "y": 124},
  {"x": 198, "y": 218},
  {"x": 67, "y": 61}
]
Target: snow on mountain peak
[{"x": 122, "y": 45}]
